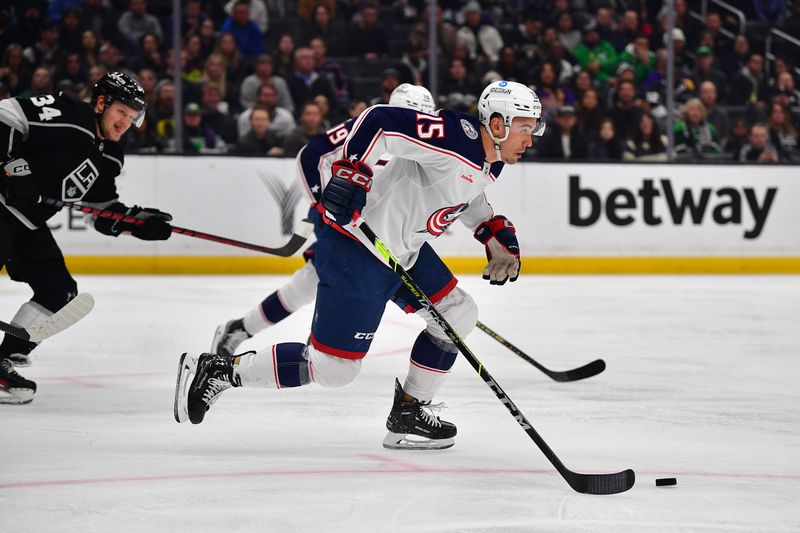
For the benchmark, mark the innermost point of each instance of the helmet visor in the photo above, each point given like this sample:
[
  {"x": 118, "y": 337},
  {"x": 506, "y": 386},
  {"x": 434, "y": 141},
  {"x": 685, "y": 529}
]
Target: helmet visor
[{"x": 526, "y": 128}]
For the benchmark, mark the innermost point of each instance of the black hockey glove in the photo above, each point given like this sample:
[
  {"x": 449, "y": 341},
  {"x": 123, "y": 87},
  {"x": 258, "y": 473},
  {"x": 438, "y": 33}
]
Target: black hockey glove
[
  {"x": 498, "y": 235},
  {"x": 19, "y": 188},
  {"x": 347, "y": 191},
  {"x": 155, "y": 228}
]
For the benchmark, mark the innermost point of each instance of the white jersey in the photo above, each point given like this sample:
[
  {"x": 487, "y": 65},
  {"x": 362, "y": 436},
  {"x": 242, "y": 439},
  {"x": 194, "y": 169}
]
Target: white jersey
[{"x": 435, "y": 176}]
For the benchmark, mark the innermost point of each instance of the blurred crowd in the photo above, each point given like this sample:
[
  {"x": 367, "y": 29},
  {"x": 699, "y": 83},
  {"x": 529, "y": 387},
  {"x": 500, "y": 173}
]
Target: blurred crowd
[{"x": 260, "y": 77}]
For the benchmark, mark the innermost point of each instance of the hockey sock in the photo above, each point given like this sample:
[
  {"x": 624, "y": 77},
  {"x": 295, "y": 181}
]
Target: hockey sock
[
  {"x": 269, "y": 312},
  {"x": 431, "y": 361},
  {"x": 280, "y": 366}
]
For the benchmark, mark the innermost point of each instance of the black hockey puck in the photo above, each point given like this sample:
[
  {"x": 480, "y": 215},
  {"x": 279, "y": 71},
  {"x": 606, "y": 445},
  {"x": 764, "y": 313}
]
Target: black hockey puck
[{"x": 666, "y": 481}]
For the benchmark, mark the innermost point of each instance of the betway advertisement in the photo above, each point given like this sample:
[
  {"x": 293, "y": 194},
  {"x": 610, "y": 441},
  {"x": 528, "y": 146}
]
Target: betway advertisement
[{"x": 559, "y": 210}]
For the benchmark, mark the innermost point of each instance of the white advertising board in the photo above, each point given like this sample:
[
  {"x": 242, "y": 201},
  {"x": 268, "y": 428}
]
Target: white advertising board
[{"x": 560, "y": 210}]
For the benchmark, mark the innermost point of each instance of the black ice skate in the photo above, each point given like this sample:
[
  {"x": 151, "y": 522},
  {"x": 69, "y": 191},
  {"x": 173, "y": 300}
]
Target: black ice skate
[
  {"x": 412, "y": 426},
  {"x": 212, "y": 375},
  {"x": 14, "y": 389},
  {"x": 228, "y": 337}
]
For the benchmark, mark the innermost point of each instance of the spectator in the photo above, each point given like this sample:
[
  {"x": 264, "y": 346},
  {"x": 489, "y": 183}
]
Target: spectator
[
  {"x": 41, "y": 83},
  {"x": 596, "y": 56},
  {"x": 330, "y": 70},
  {"x": 305, "y": 83},
  {"x": 325, "y": 109},
  {"x": 706, "y": 71},
  {"x": 684, "y": 62},
  {"x": 101, "y": 20},
  {"x": 510, "y": 67},
  {"x": 258, "y": 13},
  {"x": 629, "y": 28},
  {"x": 264, "y": 74},
  {"x": 525, "y": 36},
  {"x": 249, "y": 38},
  {"x": 390, "y": 79},
  {"x": 162, "y": 111},
  {"x": 216, "y": 115},
  {"x": 567, "y": 34},
  {"x": 135, "y": 22},
  {"x": 458, "y": 85},
  {"x": 149, "y": 55},
  {"x": 89, "y": 49},
  {"x": 71, "y": 69},
  {"x": 625, "y": 113},
  {"x": 562, "y": 140},
  {"x": 604, "y": 144},
  {"x": 45, "y": 52},
  {"x": 589, "y": 113},
  {"x": 719, "y": 44},
  {"x": 29, "y": 22},
  {"x": 556, "y": 54},
  {"x": 758, "y": 148},
  {"x": 483, "y": 41},
  {"x": 645, "y": 142},
  {"x": 582, "y": 82},
  {"x": 69, "y": 32},
  {"x": 737, "y": 137},
  {"x": 284, "y": 56},
  {"x": 214, "y": 72},
  {"x": 208, "y": 37},
  {"x": 550, "y": 92},
  {"x": 355, "y": 108},
  {"x": 95, "y": 74},
  {"x": 604, "y": 19},
  {"x": 109, "y": 57},
  {"x": 192, "y": 17},
  {"x": 367, "y": 37},
  {"x": 148, "y": 80},
  {"x": 787, "y": 94},
  {"x": 694, "y": 135},
  {"x": 310, "y": 125},
  {"x": 749, "y": 85},
  {"x": 640, "y": 57},
  {"x": 737, "y": 59},
  {"x": 14, "y": 73},
  {"x": 413, "y": 66},
  {"x": 142, "y": 140},
  {"x": 714, "y": 115},
  {"x": 234, "y": 65},
  {"x": 198, "y": 137},
  {"x": 259, "y": 140},
  {"x": 281, "y": 121},
  {"x": 192, "y": 59},
  {"x": 782, "y": 133},
  {"x": 58, "y": 9},
  {"x": 324, "y": 26},
  {"x": 446, "y": 32}
]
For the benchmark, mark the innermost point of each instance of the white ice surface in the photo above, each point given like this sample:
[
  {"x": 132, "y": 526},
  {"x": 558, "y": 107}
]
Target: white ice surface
[{"x": 702, "y": 385}]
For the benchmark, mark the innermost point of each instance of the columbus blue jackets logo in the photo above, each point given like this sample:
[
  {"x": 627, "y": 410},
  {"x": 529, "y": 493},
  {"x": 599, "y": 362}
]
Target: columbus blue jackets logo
[
  {"x": 469, "y": 129},
  {"x": 442, "y": 218}
]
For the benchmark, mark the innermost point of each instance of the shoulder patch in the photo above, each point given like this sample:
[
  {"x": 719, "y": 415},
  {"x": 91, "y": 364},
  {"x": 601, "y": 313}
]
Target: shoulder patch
[{"x": 469, "y": 129}]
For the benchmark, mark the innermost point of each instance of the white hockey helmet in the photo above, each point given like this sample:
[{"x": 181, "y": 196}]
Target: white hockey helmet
[
  {"x": 414, "y": 97},
  {"x": 510, "y": 99}
]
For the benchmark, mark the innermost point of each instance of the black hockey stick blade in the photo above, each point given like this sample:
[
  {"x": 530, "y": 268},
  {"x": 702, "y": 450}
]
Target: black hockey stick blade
[
  {"x": 601, "y": 483},
  {"x": 76, "y": 309},
  {"x": 576, "y": 374}
]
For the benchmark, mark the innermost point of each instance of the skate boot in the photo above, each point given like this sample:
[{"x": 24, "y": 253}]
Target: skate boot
[
  {"x": 228, "y": 337},
  {"x": 17, "y": 351},
  {"x": 14, "y": 389},
  {"x": 212, "y": 375},
  {"x": 412, "y": 426}
]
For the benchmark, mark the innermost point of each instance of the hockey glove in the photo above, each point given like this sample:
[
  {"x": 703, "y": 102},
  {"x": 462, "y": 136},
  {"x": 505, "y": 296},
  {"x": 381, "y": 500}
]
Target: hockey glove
[
  {"x": 19, "y": 187},
  {"x": 498, "y": 235},
  {"x": 155, "y": 228},
  {"x": 347, "y": 191}
]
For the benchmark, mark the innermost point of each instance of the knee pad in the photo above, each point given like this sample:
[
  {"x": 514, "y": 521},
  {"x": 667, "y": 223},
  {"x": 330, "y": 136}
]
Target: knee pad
[
  {"x": 460, "y": 311},
  {"x": 332, "y": 371}
]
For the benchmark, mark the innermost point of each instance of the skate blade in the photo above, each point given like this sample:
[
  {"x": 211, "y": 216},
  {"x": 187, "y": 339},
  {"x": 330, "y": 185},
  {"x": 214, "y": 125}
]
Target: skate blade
[
  {"x": 218, "y": 334},
  {"x": 404, "y": 441},
  {"x": 17, "y": 397},
  {"x": 187, "y": 367}
]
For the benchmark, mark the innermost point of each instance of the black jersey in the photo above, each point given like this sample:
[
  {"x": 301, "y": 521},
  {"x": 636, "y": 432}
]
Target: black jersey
[{"x": 56, "y": 135}]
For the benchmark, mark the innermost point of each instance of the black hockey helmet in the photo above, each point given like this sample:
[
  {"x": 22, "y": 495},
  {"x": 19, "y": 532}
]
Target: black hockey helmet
[{"x": 118, "y": 86}]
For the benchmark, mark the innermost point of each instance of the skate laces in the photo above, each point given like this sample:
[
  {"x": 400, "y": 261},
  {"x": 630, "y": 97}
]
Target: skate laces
[
  {"x": 8, "y": 366},
  {"x": 427, "y": 410},
  {"x": 234, "y": 338},
  {"x": 215, "y": 387}
]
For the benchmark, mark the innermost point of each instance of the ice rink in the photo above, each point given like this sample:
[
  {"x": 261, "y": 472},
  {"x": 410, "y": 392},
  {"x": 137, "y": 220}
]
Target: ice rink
[{"x": 702, "y": 385}]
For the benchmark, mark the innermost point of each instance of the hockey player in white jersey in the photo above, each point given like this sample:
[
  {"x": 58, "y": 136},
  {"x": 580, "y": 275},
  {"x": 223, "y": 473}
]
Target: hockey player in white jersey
[
  {"x": 440, "y": 165},
  {"x": 314, "y": 169}
]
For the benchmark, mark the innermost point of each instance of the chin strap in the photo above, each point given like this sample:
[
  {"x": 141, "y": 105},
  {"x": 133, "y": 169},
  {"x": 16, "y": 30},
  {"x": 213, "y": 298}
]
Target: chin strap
[{"x": 497, "y": 141}]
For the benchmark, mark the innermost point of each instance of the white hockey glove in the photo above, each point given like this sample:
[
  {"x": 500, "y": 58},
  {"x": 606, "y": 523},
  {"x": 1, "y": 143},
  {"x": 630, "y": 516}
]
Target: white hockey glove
[{"x": 498, "y": 235}]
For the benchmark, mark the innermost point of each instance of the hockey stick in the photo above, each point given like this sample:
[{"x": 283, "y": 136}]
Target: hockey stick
[
  {"x": 76, "y": 309},
  {"x": 584, "y": 483},
  {"x": 290, "y": 248},
  {"x": 586, "y": 371}
]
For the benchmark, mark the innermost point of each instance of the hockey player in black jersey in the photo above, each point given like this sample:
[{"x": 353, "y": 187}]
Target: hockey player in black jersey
[{"x": 59, "y": 147}]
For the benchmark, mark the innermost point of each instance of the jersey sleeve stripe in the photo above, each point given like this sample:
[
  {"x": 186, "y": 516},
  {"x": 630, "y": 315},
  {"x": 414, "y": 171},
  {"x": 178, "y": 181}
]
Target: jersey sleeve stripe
[
  {"x": 434, "y": 148},
  {"x": 372, "y": 144},
  {"x": 84, "y": 130},
  {"x": 114, "y": 159}
]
